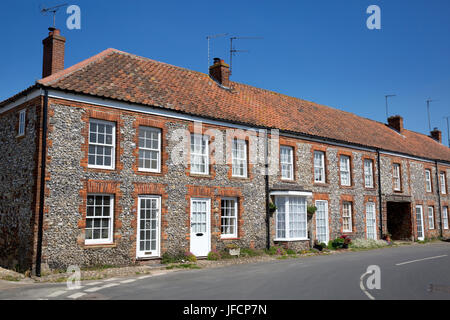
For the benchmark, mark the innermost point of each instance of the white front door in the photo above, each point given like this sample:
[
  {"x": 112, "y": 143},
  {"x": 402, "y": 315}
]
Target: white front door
[
  {"x": 148, "y": 234},
  {"x": 200, "y": 227},
  {"x": 419, "y": 220},
  {"x": 322, "y": 233},
  {"x": 371, "y": 221}
]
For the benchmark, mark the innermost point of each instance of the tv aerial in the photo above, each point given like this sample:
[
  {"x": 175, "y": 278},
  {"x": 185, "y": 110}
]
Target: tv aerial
[
  {"x": 208, "y": 38},
  {"x": 233, "y": 51},
  {"x": 53, "y": 10}
]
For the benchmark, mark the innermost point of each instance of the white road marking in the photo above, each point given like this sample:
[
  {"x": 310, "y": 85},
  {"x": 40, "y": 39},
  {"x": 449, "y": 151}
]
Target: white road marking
[
  {"x": 112, "y": 279},
  {"x": 109, "y": 285},
  {"x": 56, "y": 293},
  {"x": 361, "y": 285},
  {"x": 402, "y": 263},
  {"x": 145, "y": 277},
  {"x": 128, "y": 281},
  {"x": 76, "y": 295},
  {"x": 93, "y": 289},
  {"x": 93, "y": 283}
]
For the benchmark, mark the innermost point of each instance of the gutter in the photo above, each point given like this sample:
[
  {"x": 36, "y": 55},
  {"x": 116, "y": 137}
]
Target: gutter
[
  {"x": 438, "y": 189},
  {"x": 42, "y": 185},
  {"x": 380, "y": 205}
]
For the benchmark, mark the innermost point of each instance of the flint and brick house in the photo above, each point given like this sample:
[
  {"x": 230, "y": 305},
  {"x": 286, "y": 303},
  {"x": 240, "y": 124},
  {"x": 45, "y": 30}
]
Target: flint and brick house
[{"x": 88, "y": 177}]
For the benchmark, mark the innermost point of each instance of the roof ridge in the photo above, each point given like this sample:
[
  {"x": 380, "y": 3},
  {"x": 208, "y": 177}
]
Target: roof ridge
[{"x": 76, "y": 67}]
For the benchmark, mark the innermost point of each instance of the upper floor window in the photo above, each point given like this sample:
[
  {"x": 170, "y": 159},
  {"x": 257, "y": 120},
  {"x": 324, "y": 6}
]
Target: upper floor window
[
  {"x": 319, "y": 166},
  {"x": 199, "y": 154},
  {"x": 101, "y": 144},
  {"x": 368, "y": 173},
  {"x": 287, "y": 162},
  {"x": 239, "y": 158},
  {"x": 21, "y": 130},
  {"x": 347, "y": 216},
  {"x": 345, "y": 171},
  {"x": 397, "y": 179},
  {"x": 428, "y": 180},
  {"x": 430, "y": 218},
  {"x": 99, "y": 221},
  {"x": 443, "y": 183},
  {"x": 149, "y": 149}
]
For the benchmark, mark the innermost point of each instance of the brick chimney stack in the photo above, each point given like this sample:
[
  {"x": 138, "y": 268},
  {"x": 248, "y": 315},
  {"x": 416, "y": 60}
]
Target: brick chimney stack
[
  {"x": 436, "y": 135},
  {"x": 54, "y": 47},
  {"x": 396, "y": 123},
  {"x": 220, "y": 71}
]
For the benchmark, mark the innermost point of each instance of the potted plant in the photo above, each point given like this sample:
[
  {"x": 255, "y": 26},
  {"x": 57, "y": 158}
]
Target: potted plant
[
  {"x": 311, "y": 209},
  {"x": 272, "y": 207},
  {"x": 233, "y": 249},
  {"x": 346, "y": 242}
]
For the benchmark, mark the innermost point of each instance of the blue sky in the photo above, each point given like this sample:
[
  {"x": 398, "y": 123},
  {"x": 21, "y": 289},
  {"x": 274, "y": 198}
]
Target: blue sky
[{"x": 320, "y": 51}]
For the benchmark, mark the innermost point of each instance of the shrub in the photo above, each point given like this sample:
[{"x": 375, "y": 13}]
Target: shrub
[
  {"x": 173, "y": 257},
  {"x": 276, "y": 250},
  {"x": 249, "y": 252},
  {"x": 337, "y": 243},
  {"x": 190, "y": 257},
  {"x": 290, "y": 251},
  {"x": 225, "y": 254},
  {"x": 368, "y": 244},
  {"x": 213, "y": 255}
]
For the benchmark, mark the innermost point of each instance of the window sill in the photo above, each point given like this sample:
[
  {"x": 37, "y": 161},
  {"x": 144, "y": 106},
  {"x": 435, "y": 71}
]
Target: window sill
[
  {"x": 230, "y": 238},
  {"x": 287, "y": 180},
  {"x": 291, "y": 240},
  {"x": 99, "y": 245},
  {"x": 101, "y": 168},
  {"x": 148, "y": 171}
]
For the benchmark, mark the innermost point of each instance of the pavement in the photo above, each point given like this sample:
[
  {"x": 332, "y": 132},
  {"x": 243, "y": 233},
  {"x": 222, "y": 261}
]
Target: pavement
[{"x": 406, "y": 272}]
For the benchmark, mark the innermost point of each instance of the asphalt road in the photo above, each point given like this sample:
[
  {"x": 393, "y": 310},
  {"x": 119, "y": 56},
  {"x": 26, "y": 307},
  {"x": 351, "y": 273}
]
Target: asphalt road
[{"x": 407, "y": 272}]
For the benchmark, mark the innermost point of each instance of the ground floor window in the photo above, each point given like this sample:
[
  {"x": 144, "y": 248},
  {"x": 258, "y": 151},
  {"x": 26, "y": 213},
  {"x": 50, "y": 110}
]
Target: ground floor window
[
  {"x": 229, "y": 213},
  {"x": 347, "y": 217},
  {"x": 99, "y": 213},
  {"x": 445, "y": 217},
  {"x": 148, "y": 229},
  {"x": 371, "y": 221},
  {"x": 430, "y": 218},
  {"x": 291, "y": 222}
]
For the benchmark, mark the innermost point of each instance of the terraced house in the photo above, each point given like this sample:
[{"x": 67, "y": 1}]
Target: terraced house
[{"x": 89, "y": 173}]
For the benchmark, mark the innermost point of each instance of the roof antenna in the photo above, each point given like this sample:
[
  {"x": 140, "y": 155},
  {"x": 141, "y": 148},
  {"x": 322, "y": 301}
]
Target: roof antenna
[
  {"x": 234, "y": 51},
  {"x": 54, "y": 9},
  {"x": 213, "y": 37}
]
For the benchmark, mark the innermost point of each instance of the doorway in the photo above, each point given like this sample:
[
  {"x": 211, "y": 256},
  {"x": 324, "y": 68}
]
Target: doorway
[{"x": 399, "y": 222}]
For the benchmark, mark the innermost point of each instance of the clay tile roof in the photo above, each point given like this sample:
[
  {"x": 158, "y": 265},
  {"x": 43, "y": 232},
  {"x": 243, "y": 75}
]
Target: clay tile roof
[{"x": 122, "y": 76}]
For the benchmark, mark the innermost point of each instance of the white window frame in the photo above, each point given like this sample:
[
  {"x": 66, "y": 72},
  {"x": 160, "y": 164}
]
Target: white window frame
[
  {"x": 22, "y": 123},
  {"x": 445, "y": 217},
  {"x": 238, "y": 159},
  {"x": 287, "y": 219},
  {"x": 443, "y": 183},
  {"x": 233, "y": 217},
  {"x": 347, "y": 214},
  {"x": 428, "y": 180},
  {"x": 158, "y": 150},
  {"x": 112, "y": 145},
  {"x": 374, "y": 212},
  {"x": 327, "y": 235},
  {"x": 141, "y": 253},
  {"x": 345, "y": 170},
  {"x": 430, "y": 218},
  {"x": 397, "y": 177},
  {"x": 287, "y": 167},
  {"x": 110, "y": 217},
  {"x": 419, "y": 212},
  {"x": 368, "y": 173},
  {"x": 205, "y": 155},
  {"x": 319, "y": 169}
]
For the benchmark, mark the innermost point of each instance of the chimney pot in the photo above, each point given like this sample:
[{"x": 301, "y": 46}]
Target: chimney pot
[
  {"x": 53, "y": 56},
  {"x": 220, "y": 72},
  {"x": 436, "y": 135},
  {"x": 396, "y": 123}
]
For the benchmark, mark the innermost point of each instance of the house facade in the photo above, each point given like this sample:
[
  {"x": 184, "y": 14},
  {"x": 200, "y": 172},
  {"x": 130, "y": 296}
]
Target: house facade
[{"x": 119, "y": 159}]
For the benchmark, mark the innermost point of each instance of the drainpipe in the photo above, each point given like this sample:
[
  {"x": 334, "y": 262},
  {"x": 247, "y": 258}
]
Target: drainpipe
[
  {"x": 438, "y": 189},
  {"x": 42, "y": 185},
  {"x": 380, "y": 205},
  {"x": 266, "y": 180}
]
